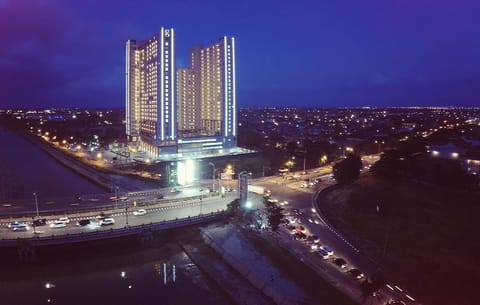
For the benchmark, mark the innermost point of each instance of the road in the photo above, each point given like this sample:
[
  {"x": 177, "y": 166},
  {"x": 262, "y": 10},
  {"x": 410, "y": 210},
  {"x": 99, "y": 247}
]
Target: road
[
  {"x": 303, "y": 199},
  {"x": 155, "y": 213}
]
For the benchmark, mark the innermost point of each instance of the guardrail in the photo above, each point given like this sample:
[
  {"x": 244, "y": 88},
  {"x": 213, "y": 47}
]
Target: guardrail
[{"x": 112, "y": 233}]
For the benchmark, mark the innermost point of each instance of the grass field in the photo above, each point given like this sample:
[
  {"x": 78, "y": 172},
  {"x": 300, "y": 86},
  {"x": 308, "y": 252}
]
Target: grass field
[{"x": 426, "y": 238}]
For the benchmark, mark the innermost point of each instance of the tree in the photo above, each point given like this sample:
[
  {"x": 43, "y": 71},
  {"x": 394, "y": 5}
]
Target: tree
[
  {"x": 233, "y": 207},
  {"x": 274, "y": 214},
  {"x": 347, "y": 170}
]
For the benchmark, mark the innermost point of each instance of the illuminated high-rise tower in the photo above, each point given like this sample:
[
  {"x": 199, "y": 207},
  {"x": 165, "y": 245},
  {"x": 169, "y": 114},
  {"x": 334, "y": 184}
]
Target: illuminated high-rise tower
[
  {"x": 209, "y": 84},
  {"x": 150, "y": 93},
  {"x": 203, "y": 118}
]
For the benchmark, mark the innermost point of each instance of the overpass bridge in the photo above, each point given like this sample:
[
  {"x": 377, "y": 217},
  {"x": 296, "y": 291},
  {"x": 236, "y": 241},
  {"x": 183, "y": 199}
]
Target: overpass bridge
[{"x": 160, "y": 215}]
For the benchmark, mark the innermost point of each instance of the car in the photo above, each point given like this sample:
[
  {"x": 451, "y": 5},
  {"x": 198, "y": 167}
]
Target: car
[
  {"x": 40, "y": 222},
  {"x": 313, "y": 238},
  {"x": 58, "y": 224},
  {"x": 62, "y": 219},
  {"x": 103, "y": 215},
  {"x": 291, "y": 228},
  {"x": 284, "y": 203},
  {"x": 83, "y": 222},
  {"x": 296, "y": 212},
  {"x": 174, "y": 190},
  {"x": 313, "y": 245},
  {"x": 357, "y": 274},
  {"x": 107, "y": 222},
  {"x": 310, "y": 220},
  {"x": 300, "y": 229},
  {"x": 139, "y": 212},
  {"x": 159, "y": 196},
  {"x": 340, "y": 262},
  {"x": 323, "y": 253},
  {"x": 123, "y": 198},
  {"x": 327, "y": 249},
  {"x": 299, "y": 235},
  {"x": 22, "y": 227},
  {"x": 316, "y": 221},
  {"x": 16, "y": 223},
  {"x": 304, "y": 184}
]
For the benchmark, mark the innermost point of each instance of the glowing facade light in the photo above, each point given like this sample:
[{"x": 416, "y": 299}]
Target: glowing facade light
[{"x": 185, "y": 172}]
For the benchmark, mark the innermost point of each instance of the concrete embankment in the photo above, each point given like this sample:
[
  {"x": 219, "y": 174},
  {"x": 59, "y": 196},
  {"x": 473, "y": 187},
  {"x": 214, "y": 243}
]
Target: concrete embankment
[
  {"x": 78, "y": 167},
  {"x": 234, "y": 285},
  {"x": 261, "y": 274}
]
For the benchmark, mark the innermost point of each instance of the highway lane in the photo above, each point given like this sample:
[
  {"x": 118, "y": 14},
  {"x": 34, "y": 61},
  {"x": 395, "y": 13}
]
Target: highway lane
[
  {"x": 71, "y": 203},
  {"x": 155, "y": 213}
]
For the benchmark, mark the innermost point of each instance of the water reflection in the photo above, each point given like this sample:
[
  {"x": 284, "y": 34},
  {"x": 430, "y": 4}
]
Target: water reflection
[{"x": 154, "y": 276}]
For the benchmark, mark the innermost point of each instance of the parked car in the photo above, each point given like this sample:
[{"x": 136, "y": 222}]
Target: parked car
[
  {"x": 340, "y": 262},
  {"x": 300, "y": 229},
  {"x": 313, "y": 238},
  {"x": 299, "y": 235},
  {"x": 323, "y": 253},
  {"x": 139, "y": 212},
  {"x": 40, "y": 222},
  {"x": 107, "y": 222},
  {"x": 356, "y": 273},
  {"x": 327, "y": 249},
  {"x": 83, "y": 222}
]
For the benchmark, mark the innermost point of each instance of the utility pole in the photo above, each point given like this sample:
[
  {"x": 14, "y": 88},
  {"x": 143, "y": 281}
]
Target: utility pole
[{"x": 36, "y": 203}]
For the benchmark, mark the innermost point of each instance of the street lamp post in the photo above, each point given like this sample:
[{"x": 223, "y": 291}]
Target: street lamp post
[
  {"x": 213, "y": 175},
  {"x": 126, "y": 216},
  {"x": 36, "y": 202},
  {"x": 116, "y": 197}
]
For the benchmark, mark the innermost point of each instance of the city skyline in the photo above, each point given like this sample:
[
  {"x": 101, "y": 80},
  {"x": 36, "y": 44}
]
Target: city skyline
[{"x": 315, "y": 54}]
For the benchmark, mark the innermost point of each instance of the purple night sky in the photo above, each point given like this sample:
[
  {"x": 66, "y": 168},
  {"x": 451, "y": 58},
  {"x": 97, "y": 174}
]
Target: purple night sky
[{"x": 302, "y": 53}]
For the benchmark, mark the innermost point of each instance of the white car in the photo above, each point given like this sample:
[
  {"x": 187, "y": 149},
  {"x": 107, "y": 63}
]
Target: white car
[
  {"x": 19, "y": 226},
  {"x": 139, "y": 212},
  {"x": 284, "y": 203},
  {"x": 58, "y": 224},
  {"x": 62, "y": 219},
  {"x": 107, "y": 222}
]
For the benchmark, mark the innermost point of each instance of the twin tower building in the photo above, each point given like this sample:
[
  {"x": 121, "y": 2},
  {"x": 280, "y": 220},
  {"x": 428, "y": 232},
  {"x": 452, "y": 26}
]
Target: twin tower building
[{"x": 177, "y": 111}]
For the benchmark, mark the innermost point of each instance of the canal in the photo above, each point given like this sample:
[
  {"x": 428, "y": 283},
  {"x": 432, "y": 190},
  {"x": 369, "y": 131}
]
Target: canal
[{"x": 25, "y": 169}]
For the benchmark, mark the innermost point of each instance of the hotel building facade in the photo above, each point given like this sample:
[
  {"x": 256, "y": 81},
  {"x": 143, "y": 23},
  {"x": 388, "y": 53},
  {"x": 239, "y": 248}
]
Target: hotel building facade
[{"x": 190, "y": 111}]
